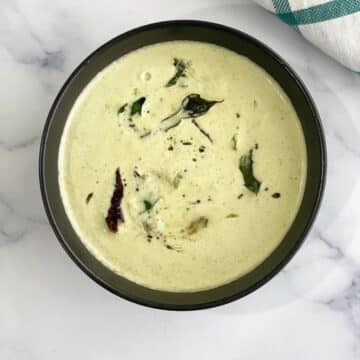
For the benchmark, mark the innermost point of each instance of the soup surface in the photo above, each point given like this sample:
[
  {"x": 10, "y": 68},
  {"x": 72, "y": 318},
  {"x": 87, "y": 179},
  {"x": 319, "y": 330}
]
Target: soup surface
[{"x": 182, "y": 166}]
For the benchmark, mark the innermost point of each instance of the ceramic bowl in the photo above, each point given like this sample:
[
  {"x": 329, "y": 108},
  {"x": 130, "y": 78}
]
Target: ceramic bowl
[{"x": 151, "y": 34}]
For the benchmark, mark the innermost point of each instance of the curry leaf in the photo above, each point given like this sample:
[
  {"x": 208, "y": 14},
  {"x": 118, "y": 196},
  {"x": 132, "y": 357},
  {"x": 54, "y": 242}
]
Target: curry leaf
[
  {"x": 246, "y": 167},
  {"x": 180, "y": 67},
  {"x": 136, "y": 106},
  {"x": 148, "y": 205},
  {"x": 194, "y": 105},
  {"x": 122, "y": 108}
]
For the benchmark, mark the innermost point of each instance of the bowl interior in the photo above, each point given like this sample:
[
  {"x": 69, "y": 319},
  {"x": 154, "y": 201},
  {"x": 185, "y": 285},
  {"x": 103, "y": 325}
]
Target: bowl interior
[{"x": 182, "y": 30}]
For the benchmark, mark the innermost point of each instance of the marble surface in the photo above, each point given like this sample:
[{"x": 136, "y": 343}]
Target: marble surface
[{"x": 50, "y": 310}]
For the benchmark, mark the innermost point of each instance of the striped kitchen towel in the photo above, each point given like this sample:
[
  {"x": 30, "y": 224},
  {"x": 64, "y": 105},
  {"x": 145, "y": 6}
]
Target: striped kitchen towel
[{"x": 331, "y": 25}]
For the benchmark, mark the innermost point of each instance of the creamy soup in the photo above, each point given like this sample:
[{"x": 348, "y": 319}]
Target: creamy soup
[{"x": 182, "y": 166}]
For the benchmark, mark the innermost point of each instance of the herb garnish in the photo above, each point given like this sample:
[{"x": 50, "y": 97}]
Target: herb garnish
[
  {"x": 115, "y": 213},
  {"x": 145, "y": 134},
  {"x": 177, "y": 248},
  {"x": 176, "y": 181},
  {"x": 180, "y": 66},
  {"x": 192, "y": 107},
  {"x": 232, "y": 215},
  {"x": 202, "y": 130},
  {"x": 137, "y": 174},
  {"x": 122, "y": 108},
  {"x": 148, "y": 205},
  {"x": 196, "y": 225},
  {"x": 89, "y": 197},
  {"x": 246, "y": 167},
  {"x": 195, "y": 202},
  {"x": 136, "y": 106}
]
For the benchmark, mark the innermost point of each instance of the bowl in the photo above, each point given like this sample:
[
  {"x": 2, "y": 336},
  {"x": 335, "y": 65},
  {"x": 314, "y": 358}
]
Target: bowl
[{"x": 198, "y": 31}]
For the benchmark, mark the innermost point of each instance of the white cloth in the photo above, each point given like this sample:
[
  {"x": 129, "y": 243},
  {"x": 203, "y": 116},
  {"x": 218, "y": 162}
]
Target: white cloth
[{"x": 331, "y": 25}]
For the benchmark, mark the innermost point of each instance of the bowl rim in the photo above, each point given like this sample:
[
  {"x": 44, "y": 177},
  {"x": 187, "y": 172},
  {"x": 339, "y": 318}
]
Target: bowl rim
[{"x": 317, "y": 201}]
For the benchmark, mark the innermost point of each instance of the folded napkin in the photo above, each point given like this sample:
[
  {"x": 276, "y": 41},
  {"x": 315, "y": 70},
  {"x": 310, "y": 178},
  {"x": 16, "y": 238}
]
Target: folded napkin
[{"x": 331, "y": 25}]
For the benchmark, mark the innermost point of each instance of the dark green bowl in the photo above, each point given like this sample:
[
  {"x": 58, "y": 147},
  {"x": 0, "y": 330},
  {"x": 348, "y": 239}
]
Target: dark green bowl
[{"x": 182, "y": 30}]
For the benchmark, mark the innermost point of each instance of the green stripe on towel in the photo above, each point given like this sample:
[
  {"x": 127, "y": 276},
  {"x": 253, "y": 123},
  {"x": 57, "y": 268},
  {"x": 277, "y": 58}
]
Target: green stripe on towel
[
  {"x": 318, "y": 13},
  {"x": 283, "y": 7}
]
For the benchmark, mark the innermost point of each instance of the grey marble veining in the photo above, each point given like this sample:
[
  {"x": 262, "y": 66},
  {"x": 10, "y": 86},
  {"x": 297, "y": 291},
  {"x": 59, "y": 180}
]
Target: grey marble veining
[{"x": 50, "y": 310}]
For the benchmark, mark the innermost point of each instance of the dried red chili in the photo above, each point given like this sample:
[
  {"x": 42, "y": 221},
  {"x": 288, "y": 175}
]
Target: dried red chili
[{"x": 115, "y": 213}]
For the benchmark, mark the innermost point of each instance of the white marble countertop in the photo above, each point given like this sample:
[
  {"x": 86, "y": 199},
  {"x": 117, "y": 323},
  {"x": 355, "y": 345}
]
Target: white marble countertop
[{"x": 49, "y": 309}]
